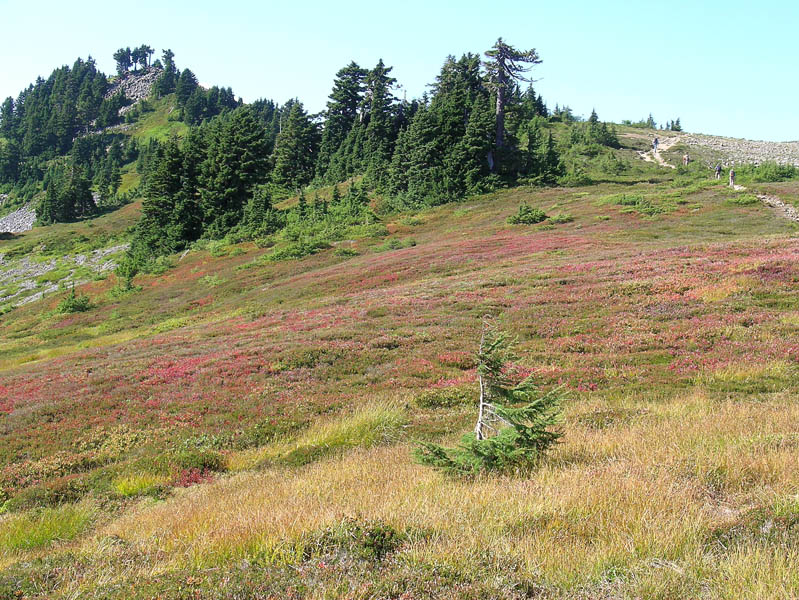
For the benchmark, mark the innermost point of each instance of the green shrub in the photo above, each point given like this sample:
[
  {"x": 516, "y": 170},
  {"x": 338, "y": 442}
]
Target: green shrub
[
  {"x": 516, "y": 424},
  {"x": 638, "y": 203},
  {"x": 527, "y": 215},
  {"x": 771, "y": 172},
  {"x": 74, "y": 303},
  {"x": 212, "y": 280},
  {"x": 346, "y": 252},
  {"x": 159, "y": 266},
  {"x": 126, "y": 270},
  {"x": 743, "y": 200},
  {"x": 53, "y": 276},
  {"x": 217, "y": 249},
  {"x": 368, "y": 540},
  {"x": 395, "y": 244},
  {"x": 561, "y": 218},
  {"x": 297, "y": 250},
  {"x": 201, "y": 460}
]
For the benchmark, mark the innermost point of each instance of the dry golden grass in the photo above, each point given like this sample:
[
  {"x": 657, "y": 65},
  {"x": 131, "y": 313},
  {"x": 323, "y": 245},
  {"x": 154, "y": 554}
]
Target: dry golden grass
[{"x": 628, "y": 496}]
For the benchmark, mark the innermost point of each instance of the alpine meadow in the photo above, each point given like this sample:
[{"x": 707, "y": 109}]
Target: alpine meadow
[{"x": 464, "y": 345}]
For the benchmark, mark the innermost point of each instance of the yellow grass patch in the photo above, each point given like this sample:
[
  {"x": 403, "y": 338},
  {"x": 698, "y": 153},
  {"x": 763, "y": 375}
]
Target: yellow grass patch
[
  {"x": 716, "y": 292},
  {"x": 634, "y": 497}
]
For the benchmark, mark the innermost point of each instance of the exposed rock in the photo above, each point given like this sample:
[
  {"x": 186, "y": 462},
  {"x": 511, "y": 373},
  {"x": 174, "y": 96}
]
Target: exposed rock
[
  {"x": 24, "y": 273},
  {"x": 19, "y": 220},
  {"x": 787, "y": 210},
  {"x": 136, "y": 86},
  {"x": 746, "y": 151}
]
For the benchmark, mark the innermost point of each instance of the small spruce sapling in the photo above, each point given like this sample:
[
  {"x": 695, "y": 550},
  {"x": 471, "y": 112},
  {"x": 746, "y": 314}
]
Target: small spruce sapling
[{"x": 516, "y": 423}]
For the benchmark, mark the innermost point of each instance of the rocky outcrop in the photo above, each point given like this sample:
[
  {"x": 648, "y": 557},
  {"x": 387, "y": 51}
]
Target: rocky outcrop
[
  {"x": 786, "y": 210},
  {"x": 135, "y": 86},
  {"x": 21, "y": 276},
  {"x": 19, "y": 220},
  {"x": 746, "y": 151}
]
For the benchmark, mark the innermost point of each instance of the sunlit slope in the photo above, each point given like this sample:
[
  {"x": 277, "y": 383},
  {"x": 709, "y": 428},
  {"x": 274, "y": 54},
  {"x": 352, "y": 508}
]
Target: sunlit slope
[{"x": 289, "y": 394}]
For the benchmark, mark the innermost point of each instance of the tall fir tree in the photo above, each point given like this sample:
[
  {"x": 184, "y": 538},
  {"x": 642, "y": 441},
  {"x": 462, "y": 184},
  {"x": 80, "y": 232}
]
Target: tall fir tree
[
  {"x": 341, "y": 114},
  {"x": 379, "y": 134},
  {"x": 235, "y": 163},
  {"x": 186, "y": 84},
  {"x": 505, "y": 66},
  {"x": 295, "y": 149}
]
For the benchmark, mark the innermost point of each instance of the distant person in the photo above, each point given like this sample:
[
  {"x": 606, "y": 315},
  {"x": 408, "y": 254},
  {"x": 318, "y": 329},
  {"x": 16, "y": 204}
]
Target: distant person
[
  {"x": 655, "y": 145},
  {"x": 732, "y": 177},
  {"x": 685, "y": 159},
  {"x": 718, "y": 171}
]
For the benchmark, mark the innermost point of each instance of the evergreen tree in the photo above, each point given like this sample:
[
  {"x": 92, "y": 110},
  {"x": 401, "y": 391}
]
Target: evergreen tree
[
  {"x": 195, "y": 108},
  {"x": 295, "y": 149},
  {"x": 123, "y": 59},
  {"x": 235, "y": 163},
  {"x": 188, "y": 220},
  {"x": 505, "y": 66},
  {"x": 471, "y": 160},
  {"x": 7, "y": 117},
  {"x": 136, "y": 57},
  {"x": 186, "y": 84},
  {"x": 259, "y": 217},
  {"x": 145, "y": 52},
  {"x": 156, "y": 232},
  {"x": 342, "y": 113},
  {"x": 551, "y": 167},
  {"x": 506, "y": 437},
  {"x": 378, "y": 111},
  {"x": 416, "y": 172},
  {"x": 9, "y": 161},
  {"x": 68, "y": 196},
  {"x": 167, "y": 80}
]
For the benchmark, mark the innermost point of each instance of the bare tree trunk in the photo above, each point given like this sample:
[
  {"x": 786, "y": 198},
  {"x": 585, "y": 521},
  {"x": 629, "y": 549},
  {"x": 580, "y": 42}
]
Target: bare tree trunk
[
  {"x": 500, "y": 135},
  {"x": 500, "y": 115},
  {"x": 478, "y": 429}
]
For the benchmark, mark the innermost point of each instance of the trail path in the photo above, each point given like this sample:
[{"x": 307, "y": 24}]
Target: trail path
[
  {"x": 788, "y": 211},
  {"x": 654, "y": 156},
  {"x": 785, "y": 210}
]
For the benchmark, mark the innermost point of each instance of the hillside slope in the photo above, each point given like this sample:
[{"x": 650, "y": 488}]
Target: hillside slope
[{"x": 240, "y": 427}]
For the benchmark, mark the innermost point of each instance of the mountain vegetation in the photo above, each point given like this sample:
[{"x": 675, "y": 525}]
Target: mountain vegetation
[{"x": 243, "y": 351}]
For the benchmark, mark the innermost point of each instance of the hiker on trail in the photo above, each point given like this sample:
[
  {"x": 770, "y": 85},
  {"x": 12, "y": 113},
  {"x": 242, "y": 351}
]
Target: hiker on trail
[
  {"x": 718, "y": 171},
  {"x": 655, "y": 145},
  {"x": 685, "y": 159},
  {"x": 732, "y": 177}
]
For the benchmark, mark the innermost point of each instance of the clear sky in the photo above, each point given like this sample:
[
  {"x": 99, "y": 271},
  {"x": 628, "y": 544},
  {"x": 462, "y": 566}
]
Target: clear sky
[{"x": 725, "y": 68}]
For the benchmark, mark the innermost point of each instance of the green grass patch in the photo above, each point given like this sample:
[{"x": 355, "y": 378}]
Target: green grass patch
[
  {"x": 140, "y": 484},
  {"x": 161, "y": 123},
  {"x": 40, "y": 528},
  {"x": 751, "y": 379},
  {"x": 367, "y": 427}
]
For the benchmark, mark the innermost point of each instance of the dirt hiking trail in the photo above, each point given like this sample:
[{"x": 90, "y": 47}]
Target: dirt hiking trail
[{"x": 654, "y": 155}]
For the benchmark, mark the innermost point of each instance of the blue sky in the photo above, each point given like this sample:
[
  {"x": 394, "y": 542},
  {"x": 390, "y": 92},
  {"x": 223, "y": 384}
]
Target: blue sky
[{"x": 724, "y": 68}]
